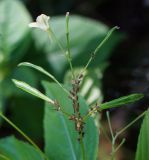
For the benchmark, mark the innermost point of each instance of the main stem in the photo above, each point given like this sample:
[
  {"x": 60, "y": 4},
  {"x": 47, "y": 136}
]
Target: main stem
[{"x": 82, "y": 147}]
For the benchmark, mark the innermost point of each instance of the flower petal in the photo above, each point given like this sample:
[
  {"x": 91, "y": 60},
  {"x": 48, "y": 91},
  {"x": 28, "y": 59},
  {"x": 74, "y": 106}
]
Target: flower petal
[
  {"x": 42, "y": 22},
  {"x": 33, "y": 24}
]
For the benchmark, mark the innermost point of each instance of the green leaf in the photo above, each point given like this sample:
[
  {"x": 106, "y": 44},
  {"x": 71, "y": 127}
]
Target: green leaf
[
  {"x": 13, "y": 30},
  {"x": 60, "y": 135},
  {"x": 143, "y": 141},
  {"x": 13, "y": 149},
  {"x": 121, "y": 101},
  {"x": 8, "y": 89},
  {"x": 14, "y": 41},
  {"x": 40, "y": 69},
  {"x": 27, "y": 88},
  {"x": 85, "y": 35},
  {"x": 32, "y": 125}
]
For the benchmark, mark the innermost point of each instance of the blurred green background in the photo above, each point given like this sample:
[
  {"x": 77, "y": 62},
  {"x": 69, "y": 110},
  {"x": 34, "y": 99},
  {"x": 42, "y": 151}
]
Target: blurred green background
[{"x": 121, "y": 67}]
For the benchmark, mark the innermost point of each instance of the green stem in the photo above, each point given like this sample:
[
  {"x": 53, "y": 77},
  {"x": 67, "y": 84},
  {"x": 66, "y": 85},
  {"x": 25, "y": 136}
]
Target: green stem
[
  {"x": 112, "y": 136},
  {"x": 23, "y": 134},
  {"x": 86, "y": 116},
  {"x": 99, "y": 46},
  {"x": 65, "y": 113},
  {"x": 114, "y": 150},
  {"x": 51, "y": 33},
  {"x": 119, "y": 146},
  {"x": 82, "y": 148},
  {"x": 89, "y": 113},
  {"x": 109, "y": 123},
  {"x": 130, "y": 124},
  {"x": 68, "y": 45},
  {"x": 105, "y": 132}
]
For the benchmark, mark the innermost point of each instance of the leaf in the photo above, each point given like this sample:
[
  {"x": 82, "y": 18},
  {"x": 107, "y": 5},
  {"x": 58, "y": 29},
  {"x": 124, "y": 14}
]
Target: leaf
[
  {"x": 85, "y": 35},
  {"x": 121, "y": 101},
  {"x": 40, "y": 69},
  {"x": 26, "y": 107},
  {"x": 14, "y": 149},
  {"x": 8, "y": 89},
  {"x": 13, "y": 30},
  {"x": 60, "y": 135},
  {"x": 27, "y": 88},
  {"x": 14, "y": 41},
  {"x": 143, "y": 141}
]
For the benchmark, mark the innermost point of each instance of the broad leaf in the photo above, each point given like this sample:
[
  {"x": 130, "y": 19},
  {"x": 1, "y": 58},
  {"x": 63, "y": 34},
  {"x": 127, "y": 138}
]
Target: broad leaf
[
  {"x": 25, "y": 106},
  {"x": 14, "y": 41},
  {"x": 85, "y": 35},
  {"x": 121, "y": 101},
  {"x": 7, "y": 87},
  {"x": 14, "y": 19},
  {"x": 27, "y": 88},
  {"x": 60, "y": 135},
  {"x": 13, "y": 149},
  {"x": 143, "y": 141}
]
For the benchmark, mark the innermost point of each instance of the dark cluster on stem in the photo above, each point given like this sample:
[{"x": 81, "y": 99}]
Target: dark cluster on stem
[{"x": 76, "y": 117}]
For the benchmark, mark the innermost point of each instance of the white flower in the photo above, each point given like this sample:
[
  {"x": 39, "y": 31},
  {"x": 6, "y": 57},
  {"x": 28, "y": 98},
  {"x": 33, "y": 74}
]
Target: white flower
[{"x": 42, "y": 22}]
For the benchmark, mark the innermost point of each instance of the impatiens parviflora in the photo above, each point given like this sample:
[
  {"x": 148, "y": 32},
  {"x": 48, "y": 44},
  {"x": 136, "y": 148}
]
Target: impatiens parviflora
[{"x": 42, "y": 22}]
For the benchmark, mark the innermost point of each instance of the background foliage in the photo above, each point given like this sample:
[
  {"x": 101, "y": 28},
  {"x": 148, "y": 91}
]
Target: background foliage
[{"x": 127, "y": 52}]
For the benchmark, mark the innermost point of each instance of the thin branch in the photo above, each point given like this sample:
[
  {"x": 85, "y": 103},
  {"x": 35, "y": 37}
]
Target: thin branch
[
  {"x": 118, "y": 147},
  {"x": 99, "y": 46},
  {"x": 109, "y": 123},
  {"x": 130, "y": 124},
  {"x": 105, "y": 133},
  {"x": 114, "y": 150},
  {"x": 51, "y": 33},
  {"x": 68, "y": 45}
]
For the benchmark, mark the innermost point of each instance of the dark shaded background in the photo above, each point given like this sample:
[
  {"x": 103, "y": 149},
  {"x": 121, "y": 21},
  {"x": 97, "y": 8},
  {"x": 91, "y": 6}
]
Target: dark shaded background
[{"x": 128, "y": 71}]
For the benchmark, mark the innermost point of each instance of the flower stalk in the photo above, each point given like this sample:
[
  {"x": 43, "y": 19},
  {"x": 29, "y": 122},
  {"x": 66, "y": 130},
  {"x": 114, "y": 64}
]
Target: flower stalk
[{"x": 68, "y": 53}]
